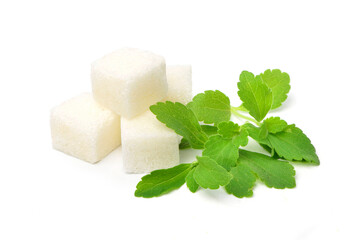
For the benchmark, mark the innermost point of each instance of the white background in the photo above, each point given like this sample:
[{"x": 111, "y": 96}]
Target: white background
[{"x": 46, "y": 48}]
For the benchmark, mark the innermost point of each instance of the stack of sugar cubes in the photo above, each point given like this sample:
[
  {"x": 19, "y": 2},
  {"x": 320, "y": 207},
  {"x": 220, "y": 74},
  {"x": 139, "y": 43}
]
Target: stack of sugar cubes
[{"x": 125, "y": 83}]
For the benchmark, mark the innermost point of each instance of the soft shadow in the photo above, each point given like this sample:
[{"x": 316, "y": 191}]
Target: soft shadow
[
  {"x": 289, "y": 102},
  {"x": 188, "y": 155},
  {"x": 112, "y": 159},
  {"x": 218, "y": 195}
]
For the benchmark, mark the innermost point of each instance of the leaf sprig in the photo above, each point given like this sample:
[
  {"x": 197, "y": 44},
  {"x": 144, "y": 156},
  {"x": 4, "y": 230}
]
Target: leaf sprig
[{"x": 205, "y": 124}]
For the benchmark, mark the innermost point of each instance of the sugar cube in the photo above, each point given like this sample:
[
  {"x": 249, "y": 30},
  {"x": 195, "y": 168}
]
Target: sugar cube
[
  {"x": 82, "y": 128},
  {"x": 148, "y": 144},
  {"x": 129, "y": 80},
  {"x": 179, "y": 83}
]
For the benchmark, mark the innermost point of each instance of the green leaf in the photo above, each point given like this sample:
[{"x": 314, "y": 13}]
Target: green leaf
[
  {"x": 275, "y": 124},
  {"x": 255, "y": 133},
  {"x": 263, "y": 133},
  {"x": 182, "y": 120},
  {"x": 255, "y": 94},
  {"x": 290, "y": 144},
  {"x": 252, "y": 130},
  {"x": 232, "y": 130},
  {"x": 222, "y": 150},
  {"x": 228, "y": 129},
  {"x": 243, "y": 181},
  {"x": 211, "y": 107},
  {"x": 190, "y": 181},
  {"x": 184, "y": 144},
  {"x": 274, "y": 173},
  {"x": 270, "y": 150},
  {"x": 241, "y": 139},
  {"x": 293, "y": 144},
  {"x": 162, "y": 181},
  {"x": 209, "y": 174},
  {"x": 208, "y": 130},
  {"x": 279, "y": 83}
]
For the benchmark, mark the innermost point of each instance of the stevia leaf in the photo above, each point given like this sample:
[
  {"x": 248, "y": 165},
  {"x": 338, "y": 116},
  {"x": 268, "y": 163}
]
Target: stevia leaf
[
  {"x": 228, "y": 129},
  {"x": 263, "y": 133},
  {"x": 290, "y": 144},
  {"x": 182, "y": 120},
  {"x": 222, "y": 150},
  {"x": 279, "y": 83},
  {"x": 293, "y": 144},
  {"x": 232, "y": 130},
  {"x": 241, "y": 139},
  {"x": 209, "y": 174},
  {"x": 255, "y": 133},
  {"x": 270, "y": 150},
  {"x": 275, "y": 124},
  {"x": 274, "y": 173},
  {"x": 253, "y": 130},
  {"x": 255, "y": 94},
  {"x": 211, "y": 107},
  {"x": 243, "y": 181},
  {"x": 162, "y": 181},
  {"x": 184, "y": 144},
  {"x": 190, "y": 181},
  {"x": 208, "y": 130}
]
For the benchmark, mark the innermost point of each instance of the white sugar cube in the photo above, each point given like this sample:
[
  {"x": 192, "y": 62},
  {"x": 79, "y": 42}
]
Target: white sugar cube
[
  {"x": 179, "y": 83},
  {"x": 82, "y": 128},
  {"x": 148, "y": 144},
  {"x": 129, "y": 80}
]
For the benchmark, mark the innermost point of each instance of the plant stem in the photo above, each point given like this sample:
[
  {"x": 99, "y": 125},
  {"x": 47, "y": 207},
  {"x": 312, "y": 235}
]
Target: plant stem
[
  {"x": 240, "y": 108},
  {"x": 236, "y": 113}
]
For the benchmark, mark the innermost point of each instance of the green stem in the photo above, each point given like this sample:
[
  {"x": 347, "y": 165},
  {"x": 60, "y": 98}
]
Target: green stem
[
  {"x": 240, "y": 108},
  {"x": 236, "y": 113}
]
